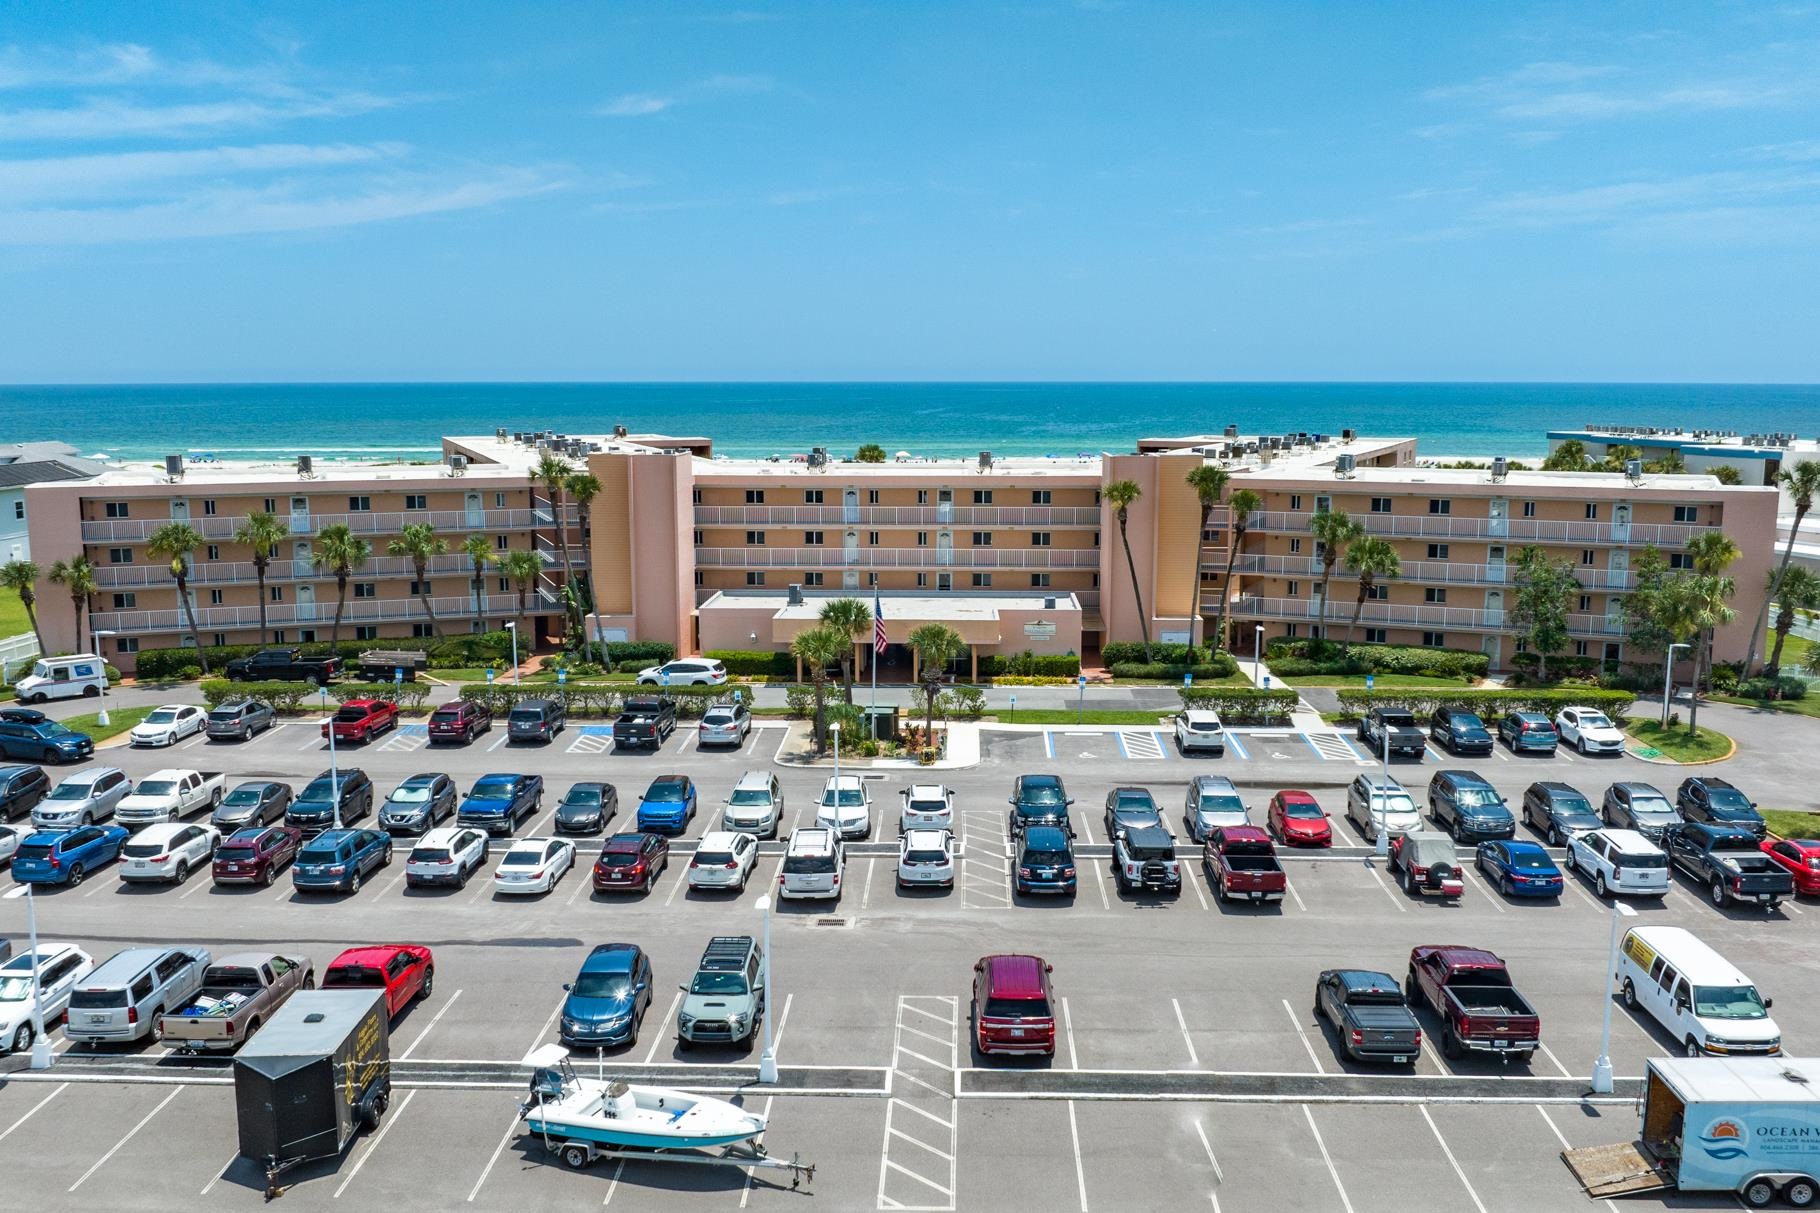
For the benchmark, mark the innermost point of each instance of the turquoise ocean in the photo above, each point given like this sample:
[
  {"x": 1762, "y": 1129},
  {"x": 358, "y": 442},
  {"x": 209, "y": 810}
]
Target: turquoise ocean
[{"x": 405, "y": 420}]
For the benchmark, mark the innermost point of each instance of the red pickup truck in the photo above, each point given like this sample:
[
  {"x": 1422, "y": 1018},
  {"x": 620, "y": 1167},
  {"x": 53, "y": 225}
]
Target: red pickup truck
[
  {"x": 361, "y": 720},
  {"x": 1470, "y": 991},
  {"x": 1241, "y": 863},
  {"x": 403, "y": 970}
]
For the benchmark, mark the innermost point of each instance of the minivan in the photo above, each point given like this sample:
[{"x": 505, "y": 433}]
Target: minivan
[
  {"x": 62, "y": 678},
  {"x": 813, "y": 862},
  {"x": 1705, "y": 1003},
  {"x": 121, "y": 1000},
  {"x": 1013, "y": 1006},
  {"x": 536, "y": 720}
]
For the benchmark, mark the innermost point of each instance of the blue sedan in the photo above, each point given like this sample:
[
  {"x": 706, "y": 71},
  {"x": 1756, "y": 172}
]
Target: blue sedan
[
  {"x": 65, "y": 857},
  {"x": 1520, "y": 869}
]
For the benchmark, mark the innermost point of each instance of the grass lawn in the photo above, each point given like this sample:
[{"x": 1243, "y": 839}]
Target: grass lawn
[
  {"x": 119, "y": 720},
  {"x": 1794, "y": 707},
  {"x": 1069, "y": 716},
  {"x": 1794, "y": 653},
  {"x": 1357, "y": 681},
  {"x": 12, "y": 615},
  {"x": 1674, "y": 742},
  {"x": 1792, "y": 823}
]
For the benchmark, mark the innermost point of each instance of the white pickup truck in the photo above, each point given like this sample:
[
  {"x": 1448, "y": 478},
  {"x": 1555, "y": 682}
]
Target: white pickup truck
[{"x": 171, "y": 795}]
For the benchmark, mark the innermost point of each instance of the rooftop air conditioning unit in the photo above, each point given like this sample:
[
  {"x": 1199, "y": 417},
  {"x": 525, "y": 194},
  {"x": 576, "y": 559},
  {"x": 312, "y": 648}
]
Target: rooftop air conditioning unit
[
  {"x": 619, "y": 431},
  {"x": 458, "y": 465},
  {"x": 796, "y": 595},
  {"x": 1500, "y": 468},
  {"x": 173, "y": 468},
  {"x": 1342, "y": 465},
  {"x": 818, "y": 456},
  {"x": 500, "y": 434},
  {"x": 985, "y": 460},
  {"x": 1348, "y": 435},
  {"x": 1633, "y": 470},
  {"x": 306, "y": 467},
  {"x": 1048, "y": 604},
  {"x": 1232, "y": 431}
]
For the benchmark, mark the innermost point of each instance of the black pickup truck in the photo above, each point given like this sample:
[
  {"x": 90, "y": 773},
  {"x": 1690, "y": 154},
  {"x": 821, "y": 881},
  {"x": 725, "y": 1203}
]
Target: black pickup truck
[
  {"x": 1730, "y": 862},
  {"x": 1370, "y": 1014},
  {"x": 1394, "y": 728},
  {"x": 283, "y": 665},
  {"x": 645, "y": 720}
]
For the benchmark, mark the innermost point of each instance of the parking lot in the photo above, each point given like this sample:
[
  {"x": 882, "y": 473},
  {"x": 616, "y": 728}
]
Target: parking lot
[{"x": 1190, "y": 1070}]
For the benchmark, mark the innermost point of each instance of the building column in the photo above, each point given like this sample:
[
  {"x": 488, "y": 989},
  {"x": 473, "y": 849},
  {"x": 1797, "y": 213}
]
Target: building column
[
  {"x": 799, "y": 669},
  {"x": 916, "y": 664},
  {"x": 973, "y": 660}
]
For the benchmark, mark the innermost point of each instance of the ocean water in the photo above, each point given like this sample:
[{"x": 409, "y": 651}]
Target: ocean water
[{"x": 406, "y": 419}]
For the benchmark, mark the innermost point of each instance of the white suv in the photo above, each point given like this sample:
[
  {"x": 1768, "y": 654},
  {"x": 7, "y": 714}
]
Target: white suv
[
  {"x": 1619, "y": 861},
  {"x": 845, "y": 807},
  {"x": 689, "y": 672},
  {"x": 1197, "y": 729},
  {"x": 168, "y": 852},
  {"x": 814, "y": 861},
  {"x": 723, "y": 859},
  {"x": 925, "y": 859},
  {"x": 1372, "y": 798},
  {"x": 1589, "y": 731},
  {"x": 446, "y": 856},
  {"x": 756, "y": 805},
  {"x": 927, "y": 806}
]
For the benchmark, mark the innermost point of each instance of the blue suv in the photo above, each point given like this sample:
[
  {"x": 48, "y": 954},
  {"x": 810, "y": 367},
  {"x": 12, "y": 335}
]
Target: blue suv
[
  {"x": 1045, "y": 862},
  {"x": 668, "y": 804},
  {"x": 1469, "y": 808},
  {"x": 338, "y": 860},
  {"x": 41, "y": 740},
  {"x": 68, "y": 856},
  {"x": 608, "y": 999}
]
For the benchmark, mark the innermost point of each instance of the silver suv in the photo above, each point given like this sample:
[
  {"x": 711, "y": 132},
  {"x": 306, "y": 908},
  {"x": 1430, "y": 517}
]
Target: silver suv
[
  {"x": 1373, "y": 798},
  {"x": 725, "y": 1000},
  {"x": 756, "y": 805}
]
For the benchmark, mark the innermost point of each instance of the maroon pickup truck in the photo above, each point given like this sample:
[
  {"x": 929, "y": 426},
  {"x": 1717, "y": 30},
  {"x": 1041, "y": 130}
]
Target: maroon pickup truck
[
  {"x": 1469, "y": 990},
  {"x": 1242, "y": 864}
]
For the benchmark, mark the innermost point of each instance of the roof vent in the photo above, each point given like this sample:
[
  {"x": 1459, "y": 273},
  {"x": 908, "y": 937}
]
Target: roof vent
[
  {"x": 1048, "y": 604},
  {"x": 306, "y": 467},
  {"x": 1232, "y": 431},
  {"x": 314, "y": 1017},
  {"x": 985, "y": 461},
  {"x": 173, "y": 468}
]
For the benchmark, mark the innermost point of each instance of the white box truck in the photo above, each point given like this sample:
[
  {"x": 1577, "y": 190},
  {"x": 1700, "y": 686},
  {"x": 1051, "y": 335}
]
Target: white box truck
[{"x": 1746, "y": 1125}]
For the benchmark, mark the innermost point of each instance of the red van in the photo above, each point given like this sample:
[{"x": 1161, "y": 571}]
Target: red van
[{"x": 1013, "y": 1006}]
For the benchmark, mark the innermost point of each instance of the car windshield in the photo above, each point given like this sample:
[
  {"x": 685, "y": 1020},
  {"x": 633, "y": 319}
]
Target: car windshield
[
  {"x": 155, "y": 787},
  {"x": 617, "y": 859},
  {"x": 1594, "y": 720},
  {"x": 161, "y": 716},
  {"x": 1302, "y": 808},
  {"x": 353, "y": 976},
  {"x": 1221, "y": 802},
  {"x": 1727, "y": 798},
  {"x": 494, "y": 785},
  {"x": 848, "y": 797},
  {"x": 718, "y": 983},
  {"x": 445, "y": 715},
  {"x": 354, "y": 714},
  {"x": 713, "y": 859},
  {"x": 1533, "y": 861},
  {"x": 1047, "y": 858},
  {"x": 240, "y": 796},
  {"x": 1393, "y": 803},
  {"x": 1466, "y": 720},
  {"x": 235, "y": 854},
  {"x": 719, "y": 716},
  {"x": 430, "y": 855},
  {"x": 1640, "y": 861},
  {"x": 142, "y": 850},
  {"x": 15, "y": 989},
  {"x": 96, "y": 1000},
  {"x": 1017, "y": 1008},
  {"x": 410, "y": 795},
  {"x": 1203, "y": 726},
  {"x": 1479, "y": 798},
  {"x": 582, "y": 797},
  {"x": 225, "y": 714},
  {"x": 1729, "y": 1002},
  {"x": 665, "y": 790},
  {"x": 318, "y": 854},
  {"x": 319, "y": 789},
  {"x": 602, "y": 985},
  {"x": 71, "y": 791},
  {"x": 808, "y": 865},
  {"x": 919, "y": 855},
  {"x": 33, "y": 850},
  {"x": 1041, "y": 794},
  {"x": 1651, "y": 806},
  {"x": 1134, "y": 802},
  {"x": 526, "y": 715},
  {"x": 750, "y": 798},
  {"x": 928, "y": 806}
]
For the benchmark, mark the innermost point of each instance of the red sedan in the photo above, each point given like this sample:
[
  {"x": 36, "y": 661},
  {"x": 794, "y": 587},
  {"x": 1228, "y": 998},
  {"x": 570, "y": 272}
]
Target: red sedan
[
  {"x": 1298, "y": 820},
  {"x": 361, "y": 720},
  {"x": 1800, "y": 857},
  {"x": 403, "y": 970}
]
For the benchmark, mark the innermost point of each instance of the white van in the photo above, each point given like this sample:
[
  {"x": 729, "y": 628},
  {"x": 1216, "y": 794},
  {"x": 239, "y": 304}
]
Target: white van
[
  {"x": 62, "y": 678},
  {"x": 1706, "y": 1004}
]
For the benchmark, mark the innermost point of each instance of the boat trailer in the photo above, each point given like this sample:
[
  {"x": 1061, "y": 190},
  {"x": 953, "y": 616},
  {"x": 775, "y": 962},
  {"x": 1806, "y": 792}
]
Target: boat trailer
[{"x": 577, "y": 1155}]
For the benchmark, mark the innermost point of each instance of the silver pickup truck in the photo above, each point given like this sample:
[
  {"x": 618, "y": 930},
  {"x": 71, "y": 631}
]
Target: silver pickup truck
[{"x": 239, "y": 993}]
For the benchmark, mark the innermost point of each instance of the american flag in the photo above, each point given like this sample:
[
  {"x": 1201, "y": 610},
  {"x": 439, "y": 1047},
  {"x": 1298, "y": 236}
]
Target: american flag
[{"x": 878, "y": 626}]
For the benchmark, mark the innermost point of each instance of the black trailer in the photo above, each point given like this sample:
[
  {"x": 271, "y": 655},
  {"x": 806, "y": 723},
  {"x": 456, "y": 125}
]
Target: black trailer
[{"x": 312, "y": 1078}]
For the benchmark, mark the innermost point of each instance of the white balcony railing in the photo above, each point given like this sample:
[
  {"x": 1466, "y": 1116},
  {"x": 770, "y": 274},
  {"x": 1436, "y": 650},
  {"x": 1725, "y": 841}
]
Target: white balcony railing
[
  {"x": 1036, "y": 517},
  {"x": 898, "y": 558},
  {"x": 1397, "y": 615},
  {"x": 223, "y": 526},
  {"x": 237, "y": 572},
  {"x": 1428, "y": 572},
  {"x": 286, "y": 614},
  {"x": 1511, "y": 530}
]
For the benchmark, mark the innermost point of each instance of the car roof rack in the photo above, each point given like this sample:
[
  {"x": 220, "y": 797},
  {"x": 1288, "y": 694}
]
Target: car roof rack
[{"x": 726, "y": 952}]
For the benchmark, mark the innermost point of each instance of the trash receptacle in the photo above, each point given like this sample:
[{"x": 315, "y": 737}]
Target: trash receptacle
[{"x": 881, "y": 723}]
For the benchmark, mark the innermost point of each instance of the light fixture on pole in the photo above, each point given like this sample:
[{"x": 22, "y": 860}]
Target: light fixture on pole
[
  {"x": 512, "y": 627},
  {"x": 41, "y": 1045},
  {"x": 1257, "y": 655},
  {"x": 101, "y": 716},
  {"x": 1601, "y": 1069},
  {"x": 328, "y": 724},
  {"x": 767, "y": 1060},
  {"x": 1668, "y": 669}
]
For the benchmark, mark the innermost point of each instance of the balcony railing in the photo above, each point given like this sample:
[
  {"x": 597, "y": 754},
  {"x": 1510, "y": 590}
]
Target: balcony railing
[
  {"x": 1386, "y": 614},
  {"x": 898, "y": 558},
  {"x": 236, "y": 572},
  {"x": 1512, "y": 530},
  {"x": 223, "y": 526},
  {"x": 358, "y": 610},
  {"x": 1431, "y": 572},
  {"x": 1035, "y": 516}
]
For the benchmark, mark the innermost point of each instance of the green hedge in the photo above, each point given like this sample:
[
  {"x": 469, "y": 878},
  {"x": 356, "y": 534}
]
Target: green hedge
[
  {"x": 1242, "y": 705},
  {"x": 751, "y": 663},
  {"x": 453, "y": 653},
  {"x": 304, "y": 697},
  {"x": 1291, "y": 657},
  {"x": 595, "y": 698},
  {"x": 1115, "y": 651},
  {"x": 1489, "y": 704},
  {"x": 1031, "y": 665},
  {"x": 639, "y": 653},
  {"x": 1171, "y": 673}
]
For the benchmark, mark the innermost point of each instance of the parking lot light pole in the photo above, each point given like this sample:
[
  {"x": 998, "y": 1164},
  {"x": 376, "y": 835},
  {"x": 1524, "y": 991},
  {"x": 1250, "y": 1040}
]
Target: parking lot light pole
[
  {"x": 767, "y": 1060},
  {"x": 1668, "y": 669},
  {"x": 97, "y": 637},
  {"x": 1601, "y": 1068},
  {"x": 41, "y": 1045},
  {"x": 334, "y": 776},
  {"x": 835, "y": 729},
  {"x": 1257, "y": 655},
  {"x": 512, "y": 627}
]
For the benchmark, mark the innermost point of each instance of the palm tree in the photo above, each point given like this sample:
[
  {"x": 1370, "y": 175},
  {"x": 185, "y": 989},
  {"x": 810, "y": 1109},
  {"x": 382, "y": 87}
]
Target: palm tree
[
  {"x": 1800, "y": 591},
  {"x": 869, "y": 452},
  {"x": 583, "y": 488},
  {"x": 77, "y": 576},
  {"x": 177, "y": 540},
  {"x": 1372, "y": 559},
  {"x": 935, "y": 645},
  {"x": 1570, "y": 456},
  {"x": 263, "y": 533},
  {"x": 480, "y": 552},
  {"x": 338, "y": 547},
  {"x": 419, "y": 543},
  {"x": 1209, "y": 485},
  {"x": 1803, "y": 484},
  {"x": 21, "y": 576},
  {"x": 816, "y": 647},
  {"x": 521, "y": 568},
  {"x": 1240, "y": 508},
  {"x": 1121, "y": 493},
  {"x": 1711, "y": 553},
  {"x": 1334, "y": 530},
  {"x": 853, "y": 619},
  {"x": 553, "y": 472}
]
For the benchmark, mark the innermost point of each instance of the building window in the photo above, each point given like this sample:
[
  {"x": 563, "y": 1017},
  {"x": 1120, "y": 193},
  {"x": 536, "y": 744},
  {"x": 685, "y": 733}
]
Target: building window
[
  {"x": 1586, "y": 556},
  {"x": 1438, "y": 551},
  {"x": 982, "y": 539},
  {"x": 1434, "y": 593},
  {"x": 1687, "y": 513},
  {"x": 499, "y": 501},
  {"x": 1435, "y": 640},
  {"x": 271, "y": 505},
  {"x": 219, "y": 640},
  {"x": 1592, "y": 511},
  {"x": 922, "y": 496},
  {"x": 116, "y": 509},
  {"x": 695, "y": 496},
  {"x": 1039, "y": 581},
  {"x": 1586, "y": 602},
  {"x": 502, "y": 542},
  {"x": 276, "y": 593},
  {"x": 1379, "y": 593},
  {"x": 1323, "y": 504},
  {"x": 812, "y": 496},
  {"x": 698, "y": 539},
  {"x": 922, "y": 581},
  {"x": 1680, "y": 560},
  {"x": 1380, "y": 505},
  {"x": 370, "y": 589},
  {"x": 1580, "y": 649},
  {"x": 212, "y": 552},
  {"x": 922, "y": 539},
  {"x": 360, "y": 505},
  {"x": 812, "y": 539},
  {"x": 872, "y": 538},
  {"x": 1096, "y": 539},
  {"x": 125, "y": 602},
  {"x": 416, "y": 501},
  {"x": 982, "y": 496},
  {"x": 871, "y": 496},
  {"x": 812, "y": 577},
  {"x": 304, "y": 636},
  {"x": 1440, "y": 505},
  {"x": 120, "y": 555},
  {"x": 755, "y": 577},
  {"x": 1289, "y": 631},
  {"x": 426, "y": 588},
  {"x": 755, "y": 496},
  {"x": 1292, "y": 588},
  {"x": 1039, "y": 539},
  {"x": 1295, "y": 547},
  {"x": 755, "y": 539},
  {"x": 422, "y": 630},
  {"x": 366, "y": 631},
  {"x": 1529, "y": 509},
  {"x": 1295, "y": 501},
  {"x": 208, "y": 507},
  {"x": 19, "y": 508},
  {"x": 944, "y": 582},
  {"x": 126, "y": 644},
  {"x": 1376, "y": 636},
  {"x": 505, "y": 585},
  {"x": 982, "y": 581}
]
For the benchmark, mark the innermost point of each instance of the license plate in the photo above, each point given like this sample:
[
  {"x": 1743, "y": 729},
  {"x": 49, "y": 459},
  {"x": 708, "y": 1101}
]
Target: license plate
[
  {"x": 1256, "y": 896},
  {"x": 1500, "y": 1044},
  {"x": 97, "y": 1019},
  {"x": 1400, "y": 1058},
  {"x": 1017, "y": 1031}
]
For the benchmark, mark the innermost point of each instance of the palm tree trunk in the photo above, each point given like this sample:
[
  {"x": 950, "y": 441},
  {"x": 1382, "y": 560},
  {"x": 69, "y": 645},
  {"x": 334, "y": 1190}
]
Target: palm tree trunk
[
  {"x": 1326, "y": 587},
  {"x": 422, "y": 569},
  {"x": 1199, "y": 593},
  {"x": 524, "y": 592},
  {"x": 77, "y": 601},
  {"x": 846, "y": 672},
  {"x": 1219, "y": 616},
  {"x": 341, "y": 601},
  {"x": 1702, "y": 658},
  {"x": 189, "y": 613},
  {"x": 1136, "y": 593},
  {"x": 1788, "y": 551},
  {"x": 28, "y": 600},
  {"x": 259, "y": 572},
  {"x": 1785, "y": 623},
  {"x": 820, "y": 682},
  {"x": 1357, "y": 610},
  {"x": 586, "y": 519}
]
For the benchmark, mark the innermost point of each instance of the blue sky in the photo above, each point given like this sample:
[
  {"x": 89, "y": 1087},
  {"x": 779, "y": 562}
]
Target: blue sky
[{"x": 1097, "y": 190}]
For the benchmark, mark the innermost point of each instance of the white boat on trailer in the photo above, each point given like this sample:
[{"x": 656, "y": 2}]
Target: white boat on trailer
[{"x": 581, "y": 1120}]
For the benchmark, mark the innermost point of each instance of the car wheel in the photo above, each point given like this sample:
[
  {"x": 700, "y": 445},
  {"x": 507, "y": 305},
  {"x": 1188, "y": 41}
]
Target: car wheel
[
  {"x": 1450, "y": 1047},
  {"x": 1718, "y": 894},
  {"x": 75, "y": 875},
  {"x": 1758, "y": 1193},
  {"x": 1691, "y": 1047},
  {"x": 1630, "y": 995},
  {"x": 22, "y": 1039},
  {"x": 1581, "y": 745},
  {"x": 182, "y": 873},
  {"x": 354, "y": 883},
  {"x": 429, "y": 982},
  {"x": 268, "y": 876},
  {"x": 1505, "y": 888},
  {"x": 1801, "y": 1193},
  {"x": 575, "y": 1157},
  {"x": 1599, "y": 885},
  {"x": 1554, "y": 836}
]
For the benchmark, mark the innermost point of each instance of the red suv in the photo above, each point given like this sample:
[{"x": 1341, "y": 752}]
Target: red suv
[
  {"x": 631, "y": 861},
  {"x": 1298, "y": 820},
  {"x": 256, "y": 855},
  {"x": 362, "y": 719},
  {"x": 462, "y": 721},
  {"x": 1013, "y": 1006}
]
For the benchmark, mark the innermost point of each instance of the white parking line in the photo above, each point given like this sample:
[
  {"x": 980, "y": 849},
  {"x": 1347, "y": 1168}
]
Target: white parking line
[
  {"x": 1074, "y": 1061},
  {"x": 1452, "y": 1161},
  {"x": 1303, "y": 1034},
  {"x": 501, "y": 740},
  {"x": 745, "y": 1193},
  {"x": 669, "y": 1018},
  {"x": 1550, "y": 1054},
  {"x": 1290, "y": 885},
  {"x": 34, "y": 1111},
  {"x": 373, "y": 1145},
  {"x": 1339, "y": 1187},
  {"x": 499, "y": 1149},
  {"x": 1099, "y": 878},
  {"x": 1490, "y": 894},
  {"x": 1218, "y": 1176},
  {"x": 865, "y": 896},
  {"x": 1188, "y": 878},
  {"x": 1394, "y": 899},
  {"x": 1194, "y": 1059},
  {"x": 1080, "y": 1172},
  {"x": 434, "y": 1020},
  {"x": 130, "y": 1134},
  {"x": 537, "y": 1041},
  {"x": 783, "y": 1021},
  {"x": 619, "y": 1168},
  {"x": 210, "y": 1185}
]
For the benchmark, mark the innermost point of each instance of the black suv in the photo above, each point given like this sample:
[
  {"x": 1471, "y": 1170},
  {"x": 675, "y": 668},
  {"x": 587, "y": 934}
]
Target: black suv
[
  {"x": 1039, "y": 800},
  {"x": 1711, "y": 799},
  {"x": 20, "y": 789},
  {"x": 1460, "y": 731},
  {"x": 1559, "y": 811},
  {"x": 314, "y": 809}
]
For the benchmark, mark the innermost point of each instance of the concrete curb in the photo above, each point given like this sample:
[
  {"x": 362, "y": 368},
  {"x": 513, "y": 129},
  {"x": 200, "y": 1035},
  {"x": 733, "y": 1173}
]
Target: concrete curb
[{"x": 1698, "y": 762}]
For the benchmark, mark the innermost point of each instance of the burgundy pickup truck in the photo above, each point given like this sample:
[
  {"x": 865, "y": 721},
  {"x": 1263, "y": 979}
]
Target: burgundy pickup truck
[
  {"x": 1469, "y": 990},
  {"x": 1242, "y": 865}
]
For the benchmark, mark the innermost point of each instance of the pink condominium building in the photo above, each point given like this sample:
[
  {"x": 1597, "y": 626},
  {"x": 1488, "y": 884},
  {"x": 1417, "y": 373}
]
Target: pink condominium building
[{"x": 1015, "y": 554}]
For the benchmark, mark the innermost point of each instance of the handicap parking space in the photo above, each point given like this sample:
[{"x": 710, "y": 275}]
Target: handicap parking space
[{"x": 406, "y": 738}]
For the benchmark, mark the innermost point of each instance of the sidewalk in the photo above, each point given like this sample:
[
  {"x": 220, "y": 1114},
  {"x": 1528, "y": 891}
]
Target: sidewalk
[{"x": 1306, "y": 716}]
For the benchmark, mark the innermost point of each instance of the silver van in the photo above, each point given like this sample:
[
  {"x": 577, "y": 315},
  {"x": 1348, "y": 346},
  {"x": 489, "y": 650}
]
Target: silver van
[{"x": 121, "y": 999}]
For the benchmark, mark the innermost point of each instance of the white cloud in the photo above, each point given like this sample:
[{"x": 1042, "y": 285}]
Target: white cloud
[
  {"x": 640, "y": 105},
  {"x": 67, "y": 177},
  {"x": 1560, "y": 91},
  {"x": 635, "y": 105},
  {"x": 107, "y": 118}
]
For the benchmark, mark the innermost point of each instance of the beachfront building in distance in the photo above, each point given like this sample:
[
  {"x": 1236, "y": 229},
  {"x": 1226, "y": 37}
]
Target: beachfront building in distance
[
  {"x": 1016, "y": 554},
  {"x": 23, "y": 464}
]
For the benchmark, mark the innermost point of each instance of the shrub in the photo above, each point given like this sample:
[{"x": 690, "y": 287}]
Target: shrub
[
  {"x": 1115, "y": 651},
  {"x": 1291, "y": 657},
  {"x": 594, "y": 699},
  {"x": 1021, "y": 680},
  {"x": 969, "y": 702},
  {"x": 1028, "y": 664},
  {"x": 1785, "y": 687},
  {"x": 799, "y": 701},
  {"x": 407, "y": 695},
  {"x": 944, "y": 703},
  {"x": 452, "y": 653},
  {"x": 283, "y": 696},
  {"x": 639, "y": 653},
  {"x": 1172, "y": 673},
  {"x": 1242, "y": 705},
  {"x": 1489, "y": 704},
  {"x": 739, "y": 661},
  {"x": 1724, "y": 679}
]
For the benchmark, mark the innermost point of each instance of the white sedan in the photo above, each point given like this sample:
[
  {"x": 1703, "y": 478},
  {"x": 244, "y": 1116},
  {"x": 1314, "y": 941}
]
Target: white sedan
[
  {"x": 168, "y": 852},
  {"x": 926, "y": 860},
  {"x": 169, "y": 724},
  {"x": 723, "y": 860},
  {"x": 1589, "y": 731},
  {"x": 534, "y": 865}
]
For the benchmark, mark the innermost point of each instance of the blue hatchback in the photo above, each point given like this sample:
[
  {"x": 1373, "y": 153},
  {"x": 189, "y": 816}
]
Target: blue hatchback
[
  {"x": 668, "y": 804},
  {"x": 1520, "y": 869},
  {"x": 66, "y": 856},
  {"x": 608, "y": 999}
]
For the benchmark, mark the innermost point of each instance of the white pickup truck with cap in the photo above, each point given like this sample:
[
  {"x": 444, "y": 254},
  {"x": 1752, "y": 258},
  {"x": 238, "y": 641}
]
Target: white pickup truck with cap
[{"x": 170, "y": 795}]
